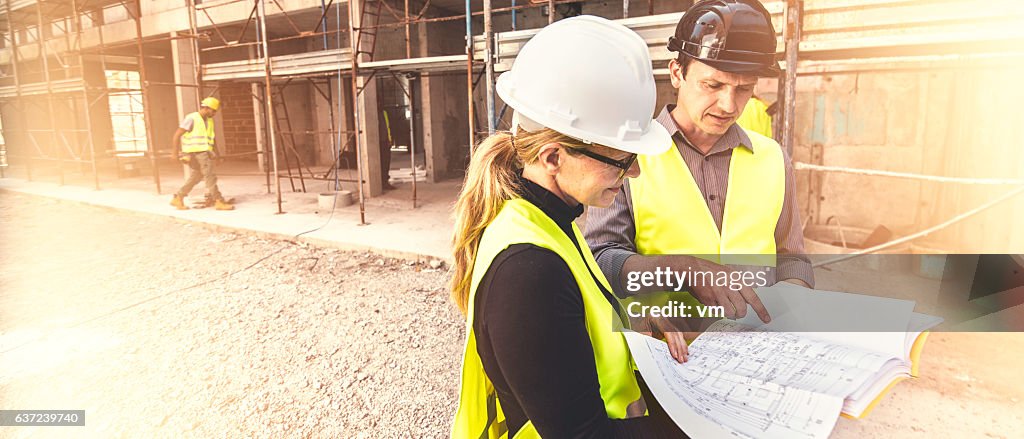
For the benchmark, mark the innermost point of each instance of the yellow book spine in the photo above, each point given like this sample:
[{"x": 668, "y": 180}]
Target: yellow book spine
[
  {"x": 915, "y": 356},
  {"x": 915, "y": 353}
]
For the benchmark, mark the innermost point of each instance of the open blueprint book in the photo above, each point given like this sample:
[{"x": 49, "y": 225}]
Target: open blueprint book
[{"x": 743, "y": 381}]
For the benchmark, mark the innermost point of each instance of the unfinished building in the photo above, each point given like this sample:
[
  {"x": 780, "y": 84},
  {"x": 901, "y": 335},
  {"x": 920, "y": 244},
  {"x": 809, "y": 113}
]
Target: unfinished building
[{"x": 896, "y": 113}]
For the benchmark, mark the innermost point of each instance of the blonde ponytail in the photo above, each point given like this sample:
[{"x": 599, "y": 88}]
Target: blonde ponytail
[{"x": 490, "y": 181}]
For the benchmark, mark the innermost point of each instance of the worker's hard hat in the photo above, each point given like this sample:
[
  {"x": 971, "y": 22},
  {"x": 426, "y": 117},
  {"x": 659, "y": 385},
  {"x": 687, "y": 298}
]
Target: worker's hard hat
[
  {"x": 211, "y": 102},
  {"x": 733, "y": 36},
  {"x": 588, "y": 78}
]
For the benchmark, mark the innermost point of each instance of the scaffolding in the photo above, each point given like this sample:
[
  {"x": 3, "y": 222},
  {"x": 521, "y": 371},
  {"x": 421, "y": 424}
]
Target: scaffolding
[
  {"x": 318, "y": 68},
  {"x": 341, "y": 60},
  {"x": 53, "y": 33},
  {"x": 367, "y": 18}
]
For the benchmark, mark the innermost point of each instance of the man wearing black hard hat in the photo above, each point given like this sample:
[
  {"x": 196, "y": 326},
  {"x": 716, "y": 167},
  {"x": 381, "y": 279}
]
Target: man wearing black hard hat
[{"x": 723, "y": 195}]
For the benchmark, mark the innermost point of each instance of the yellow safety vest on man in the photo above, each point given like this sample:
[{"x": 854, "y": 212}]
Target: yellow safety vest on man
[
  {"x": 519, "y": 222},
  {"x": 200, "y": 138},
  {"x": 672, "y": 217}
]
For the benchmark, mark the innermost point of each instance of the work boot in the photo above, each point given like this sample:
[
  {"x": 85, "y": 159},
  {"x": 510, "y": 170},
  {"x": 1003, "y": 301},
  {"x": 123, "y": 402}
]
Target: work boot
[
  {"x": 222, "y": 205},
  {"x": 179, "y": 202}
]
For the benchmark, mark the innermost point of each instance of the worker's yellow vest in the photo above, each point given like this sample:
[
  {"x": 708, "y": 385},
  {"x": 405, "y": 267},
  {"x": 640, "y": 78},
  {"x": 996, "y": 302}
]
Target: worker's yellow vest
[
  {"x": 755, "y": 117},
  {"x": 479, "y": 414},
  {"x": 672, "y": 217},
  {"x": 201, "y": 137}
]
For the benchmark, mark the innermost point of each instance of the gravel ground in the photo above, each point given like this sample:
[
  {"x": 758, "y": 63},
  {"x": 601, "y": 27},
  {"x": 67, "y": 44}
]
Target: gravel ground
[
  {"x": 157, "y": 328},
  {"x": 100, "y": 310}
]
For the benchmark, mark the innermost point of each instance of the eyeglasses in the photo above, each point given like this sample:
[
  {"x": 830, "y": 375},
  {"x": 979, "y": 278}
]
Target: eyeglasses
[{"x": 623, "y": 164}]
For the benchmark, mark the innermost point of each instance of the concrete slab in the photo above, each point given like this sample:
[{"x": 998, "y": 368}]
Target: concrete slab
[{"x": 394, "y": 228}]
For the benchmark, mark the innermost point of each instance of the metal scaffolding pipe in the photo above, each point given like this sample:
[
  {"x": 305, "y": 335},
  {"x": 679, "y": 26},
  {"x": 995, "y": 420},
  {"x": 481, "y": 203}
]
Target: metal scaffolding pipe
[
  {"x": 49, "y": 91},
  {"x": 489, "y": 65},
  {"x": 469, "y": 78},
  {"x": 794, "y": 12},
  {"x": 106, "y": 92},
  {"x": 408, "y": 41},
  {"x": 341, "y": 98},
  {"x": 412, "y": 133},
  {"x": 196, "y": 66},
  {"x": 86, "y": 103},
  {"x": 17, "y": 79},
  {"x": 151, "y": 145},
  {"x": 513, "y": 15},
  {"x": 268, "y": 100},
  {"x": 353, "y": 44}
]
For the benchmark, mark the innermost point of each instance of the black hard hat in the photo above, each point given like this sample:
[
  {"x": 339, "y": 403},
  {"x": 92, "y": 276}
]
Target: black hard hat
[{"x": 733, "y": 36}]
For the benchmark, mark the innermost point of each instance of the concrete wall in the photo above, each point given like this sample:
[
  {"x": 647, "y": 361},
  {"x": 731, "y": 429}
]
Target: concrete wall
[
  {"x": 442, "y": 124},
  {"x": 99, "y": 112},
  {"x": 163, "y": 108},
  {"x": 950, "y": 122},
  {"x": 326, "y": 115},
  {"x": 12, "y": 126}
]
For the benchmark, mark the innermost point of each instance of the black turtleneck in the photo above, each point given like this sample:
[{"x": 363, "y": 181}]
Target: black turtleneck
[{"x": 532, "y": 339}]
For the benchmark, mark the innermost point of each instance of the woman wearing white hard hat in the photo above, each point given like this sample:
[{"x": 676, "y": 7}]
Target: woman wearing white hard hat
[{"x": 544, "y": 354}]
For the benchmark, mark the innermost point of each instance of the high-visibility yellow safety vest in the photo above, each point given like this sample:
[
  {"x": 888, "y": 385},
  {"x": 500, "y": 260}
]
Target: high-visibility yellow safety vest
[
  {"x": 755, "y": 117},
  {"x": 519, "y": 222},
  {"x": 672, "y": 217},
  {"x": 201, "y": 137}
]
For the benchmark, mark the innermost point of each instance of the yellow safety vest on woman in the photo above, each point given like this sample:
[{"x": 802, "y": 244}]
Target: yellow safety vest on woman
[
  {"x": 671, "y": 216},
  {"x": 200, "y": 138},
  {"x": 519, "y": 222}
]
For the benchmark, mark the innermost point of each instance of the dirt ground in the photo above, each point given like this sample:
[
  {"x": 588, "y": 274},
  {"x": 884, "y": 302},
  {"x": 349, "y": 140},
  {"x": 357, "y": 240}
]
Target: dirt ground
[
  {"x": 100, "y": 311},
  {"x": 157, "y": 328}
]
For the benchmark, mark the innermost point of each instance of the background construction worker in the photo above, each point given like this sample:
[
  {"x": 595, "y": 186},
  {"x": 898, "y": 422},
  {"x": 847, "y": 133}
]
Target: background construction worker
[
  {"x": 194, "y": 141},
  {"x": 755, "y": 117},
  {"x": 543, "y": 357},
  {"x": 722, "y": 191}
]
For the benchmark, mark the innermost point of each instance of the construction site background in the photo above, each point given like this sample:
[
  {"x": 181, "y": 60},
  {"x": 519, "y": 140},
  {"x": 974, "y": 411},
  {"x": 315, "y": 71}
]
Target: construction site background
[{"x": 902, "y": 118}]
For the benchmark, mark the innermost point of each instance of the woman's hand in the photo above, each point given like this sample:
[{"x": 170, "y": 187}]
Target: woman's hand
[
  {"x": 669, "y": 330},
  {"x": 677, "y": 346}
]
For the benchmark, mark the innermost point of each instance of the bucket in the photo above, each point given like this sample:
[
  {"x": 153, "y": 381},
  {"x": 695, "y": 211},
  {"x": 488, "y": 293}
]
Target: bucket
[
  {"x": 328, "y": 200},
  {"x": 325, "y": 201}
]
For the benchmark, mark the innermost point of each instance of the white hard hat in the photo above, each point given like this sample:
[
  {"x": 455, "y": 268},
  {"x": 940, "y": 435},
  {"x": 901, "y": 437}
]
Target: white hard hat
[{"x": 588, "y": 78}]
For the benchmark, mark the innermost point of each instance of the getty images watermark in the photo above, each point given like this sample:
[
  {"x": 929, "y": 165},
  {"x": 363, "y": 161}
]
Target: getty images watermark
[{"x": 667, "y": 279}]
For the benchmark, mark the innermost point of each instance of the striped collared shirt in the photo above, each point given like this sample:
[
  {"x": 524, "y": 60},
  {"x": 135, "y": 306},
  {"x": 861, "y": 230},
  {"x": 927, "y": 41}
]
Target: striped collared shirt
[{"x": 611, "y": 232}]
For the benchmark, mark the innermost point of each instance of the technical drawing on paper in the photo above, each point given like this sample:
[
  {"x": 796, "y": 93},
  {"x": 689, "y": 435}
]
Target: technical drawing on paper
[{"x": 766, "y": 384}]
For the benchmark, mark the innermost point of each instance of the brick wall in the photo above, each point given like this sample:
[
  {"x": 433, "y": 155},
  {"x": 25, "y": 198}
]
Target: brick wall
[{"x": 237, "y": 121}]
